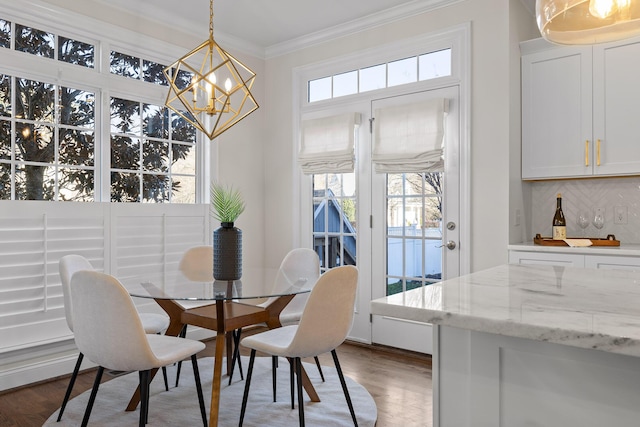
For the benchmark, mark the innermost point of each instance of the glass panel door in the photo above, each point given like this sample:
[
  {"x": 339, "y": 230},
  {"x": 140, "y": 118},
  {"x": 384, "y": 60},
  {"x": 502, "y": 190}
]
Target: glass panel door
[
  {"x": 414, "y": 230},
  {"x": 409, "y": 243},
  {"x": 334, "y": 219}
]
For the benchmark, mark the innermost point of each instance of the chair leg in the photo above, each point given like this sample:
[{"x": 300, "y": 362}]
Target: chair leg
[
  {"x": 274, "y": 374},
  {"x": 237, "y": 348},
  {"x": 298, "y": 363},
  {"x": 164, "y": 375},
  {"x": 245, "y": 396},
  {"x": 344, "y": 387},
  {"x": 144, "y": 397},
  {"x": 72, "y": 381},
  {"x": 196, "y": 374},
  {"x": 92, "y": 397},
  {"x": 291, "y": 378},
  {"x": 236, "y": 354},
  {"x": 182, "y": 334},
  {"x": 166, "y": 380},
  {"x": 319, "y": 367}
]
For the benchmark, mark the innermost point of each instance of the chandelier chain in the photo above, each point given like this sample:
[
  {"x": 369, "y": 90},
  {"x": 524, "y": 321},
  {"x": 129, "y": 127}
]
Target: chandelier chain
[{"x": 211, "y": 19}]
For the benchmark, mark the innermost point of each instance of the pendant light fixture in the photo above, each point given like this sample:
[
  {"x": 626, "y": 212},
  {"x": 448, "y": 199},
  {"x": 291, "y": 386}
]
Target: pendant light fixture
[
  {"x": 210, "y": 88},
  {"x": 587, "y": 21}
]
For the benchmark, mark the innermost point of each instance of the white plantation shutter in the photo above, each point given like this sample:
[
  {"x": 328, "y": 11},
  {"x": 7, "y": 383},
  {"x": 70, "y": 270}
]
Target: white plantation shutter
[
  {"x": 150, "y": 240},
  {"x": 409, "y": 137},
  {"x": 33, "y": 237},
  {"x": 120, "y": 239},
  {"x": 327, "y": 144}
]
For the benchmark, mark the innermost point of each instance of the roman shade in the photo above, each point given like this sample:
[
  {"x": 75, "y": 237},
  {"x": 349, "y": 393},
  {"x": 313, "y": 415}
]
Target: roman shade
[
  {"x": 327, "y": 144},
  {"x": 409, "y": 138}
]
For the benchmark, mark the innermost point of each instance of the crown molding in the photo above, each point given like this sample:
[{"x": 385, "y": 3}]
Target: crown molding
[
  {"x": 46, "y": 12},
  {"x": 358, "y": 25}
]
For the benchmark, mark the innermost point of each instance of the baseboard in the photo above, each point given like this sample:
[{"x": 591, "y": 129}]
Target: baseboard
[
  {"x": 42, "y": 363},
  {"x": 37, "y": 364}
]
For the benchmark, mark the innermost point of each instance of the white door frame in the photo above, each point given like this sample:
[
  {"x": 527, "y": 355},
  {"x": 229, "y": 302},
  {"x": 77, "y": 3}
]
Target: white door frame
[{"x": 458, "y": 38}]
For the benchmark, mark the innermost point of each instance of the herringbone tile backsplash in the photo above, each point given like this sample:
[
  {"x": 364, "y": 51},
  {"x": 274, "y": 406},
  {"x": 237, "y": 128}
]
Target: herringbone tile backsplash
[{"x": 589, "y": 194}]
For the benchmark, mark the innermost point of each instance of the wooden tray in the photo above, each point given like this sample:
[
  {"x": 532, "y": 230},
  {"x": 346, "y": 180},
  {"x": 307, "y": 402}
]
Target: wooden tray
[{"x": 548, "y": 241}]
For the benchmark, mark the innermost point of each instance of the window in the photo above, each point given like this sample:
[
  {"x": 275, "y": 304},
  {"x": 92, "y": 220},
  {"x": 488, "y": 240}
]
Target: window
[
  {"x": 152, "y": 154},
  {"x": 46, "y": 153},
  {"x": 414, "y": 230},
  {"x": 5, "y": 33},
  {"x": 404, "y": 71},
  {"x": 50, "y": 134},
  {"x": 75, "y": 52},
  {"x": 137, "y": 68},
  {"x": 334, "y": 219},
  {"x": 34, "y": 41},
  {"x": 43, "y": 43}
]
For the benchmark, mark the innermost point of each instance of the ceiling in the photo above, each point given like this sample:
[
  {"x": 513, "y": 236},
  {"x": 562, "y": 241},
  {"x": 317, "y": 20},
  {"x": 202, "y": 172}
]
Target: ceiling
[
  {"x": 265, "y": 23},
  {"x": 269, "y": 26}
]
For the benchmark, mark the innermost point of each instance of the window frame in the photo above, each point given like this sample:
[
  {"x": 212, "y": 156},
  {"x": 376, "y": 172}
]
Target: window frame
[{"x": 105, "y": 38}]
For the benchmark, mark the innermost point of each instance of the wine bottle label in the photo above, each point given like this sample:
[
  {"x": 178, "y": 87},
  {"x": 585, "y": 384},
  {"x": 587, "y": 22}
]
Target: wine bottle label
[{"x": 559, "y": 232}]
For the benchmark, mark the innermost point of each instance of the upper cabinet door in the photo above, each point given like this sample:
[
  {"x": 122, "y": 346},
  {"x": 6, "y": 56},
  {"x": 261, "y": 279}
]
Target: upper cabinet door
[
  {"x": 616, "y": 108},
  {"x": 556, "y": 113}
]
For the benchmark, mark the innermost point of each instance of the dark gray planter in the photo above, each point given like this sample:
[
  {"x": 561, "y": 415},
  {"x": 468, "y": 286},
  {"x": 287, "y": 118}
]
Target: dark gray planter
[{"x": 227, "y": 252}]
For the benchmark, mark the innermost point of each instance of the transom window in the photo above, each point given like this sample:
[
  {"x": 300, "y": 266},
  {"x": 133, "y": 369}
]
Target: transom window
[
  {"x": 403, "y": 71},
  {"x": 47, "y": 45},
  {"x": 137, "y": 68}
]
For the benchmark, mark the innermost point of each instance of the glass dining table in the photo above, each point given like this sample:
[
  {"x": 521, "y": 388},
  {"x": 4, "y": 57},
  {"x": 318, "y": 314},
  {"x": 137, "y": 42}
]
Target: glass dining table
[{"x": 222, "y": 306}]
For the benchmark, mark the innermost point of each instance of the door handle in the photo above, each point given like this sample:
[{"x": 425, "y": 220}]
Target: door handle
[{"x": 451, "y": 245}]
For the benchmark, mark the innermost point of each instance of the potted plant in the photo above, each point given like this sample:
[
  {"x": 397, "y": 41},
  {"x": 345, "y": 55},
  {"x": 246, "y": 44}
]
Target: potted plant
[{"x": 226, "y": 206}]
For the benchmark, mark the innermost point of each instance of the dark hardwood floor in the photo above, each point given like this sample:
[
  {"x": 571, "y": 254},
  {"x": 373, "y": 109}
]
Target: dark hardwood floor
[{"x": 399, "y": 381}]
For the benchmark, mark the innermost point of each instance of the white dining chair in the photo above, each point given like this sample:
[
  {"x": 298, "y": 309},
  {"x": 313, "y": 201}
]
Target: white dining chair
[
  {"x": 153, "y": 323},
  {"x": 298, "y": 264},
  {"x": 324, "y": 325},
  {"x": 109, "y": 332}
]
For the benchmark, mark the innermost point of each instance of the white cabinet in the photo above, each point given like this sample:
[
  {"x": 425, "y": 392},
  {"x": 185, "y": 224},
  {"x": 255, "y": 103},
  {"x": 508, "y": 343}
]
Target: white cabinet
[
  {"x": 616, "y": 96},
  {"x": 612, "y": 262},
  {"x": 579, "y": 110},
  {"x": 556, "y": 112},
  {"x": 549, "y": 257}
]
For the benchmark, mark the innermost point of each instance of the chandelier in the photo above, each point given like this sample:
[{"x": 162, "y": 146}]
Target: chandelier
[
  {"x": 587, "y": 21},
  {"x": 210, "y": 88}
]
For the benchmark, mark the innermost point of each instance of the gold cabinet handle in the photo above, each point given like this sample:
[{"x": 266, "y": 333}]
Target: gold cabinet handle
[
  {"x": 598, "y": 153},
  {"x": 586, "y": 153}
]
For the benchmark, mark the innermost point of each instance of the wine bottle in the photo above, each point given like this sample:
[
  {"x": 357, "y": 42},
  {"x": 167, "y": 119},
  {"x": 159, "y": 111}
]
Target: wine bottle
[{"x": 559, "y": 223}]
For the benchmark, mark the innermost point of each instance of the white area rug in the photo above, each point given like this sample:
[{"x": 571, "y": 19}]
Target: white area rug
[{"x": 179, "y": 406}]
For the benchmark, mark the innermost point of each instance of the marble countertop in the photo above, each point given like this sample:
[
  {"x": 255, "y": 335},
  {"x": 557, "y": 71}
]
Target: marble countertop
[
  {"x": 579, "y": 307},
  {"x": 622, "y": 250}
]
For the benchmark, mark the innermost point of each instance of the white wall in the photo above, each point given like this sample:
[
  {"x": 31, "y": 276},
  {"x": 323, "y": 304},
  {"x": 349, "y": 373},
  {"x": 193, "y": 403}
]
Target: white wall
[
  {"x": 491, "y": 120},
  {"x": 240, "y": 162},
  {"x": 522, "y": 27},
  {"x": 257, "y": 155}
]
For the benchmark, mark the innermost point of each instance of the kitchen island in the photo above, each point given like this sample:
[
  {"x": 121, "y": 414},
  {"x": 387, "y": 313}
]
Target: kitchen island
[{"x": 531, "y": 345}]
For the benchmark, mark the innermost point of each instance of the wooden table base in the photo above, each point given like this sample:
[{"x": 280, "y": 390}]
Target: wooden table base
[{"x": 223, "y": 317}]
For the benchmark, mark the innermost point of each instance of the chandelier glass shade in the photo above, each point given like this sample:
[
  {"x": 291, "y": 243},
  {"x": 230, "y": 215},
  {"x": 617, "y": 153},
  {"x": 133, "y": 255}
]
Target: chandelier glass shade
[
  {"x": 210, "y": 88},
  {"x": 587, "y": 21}
]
